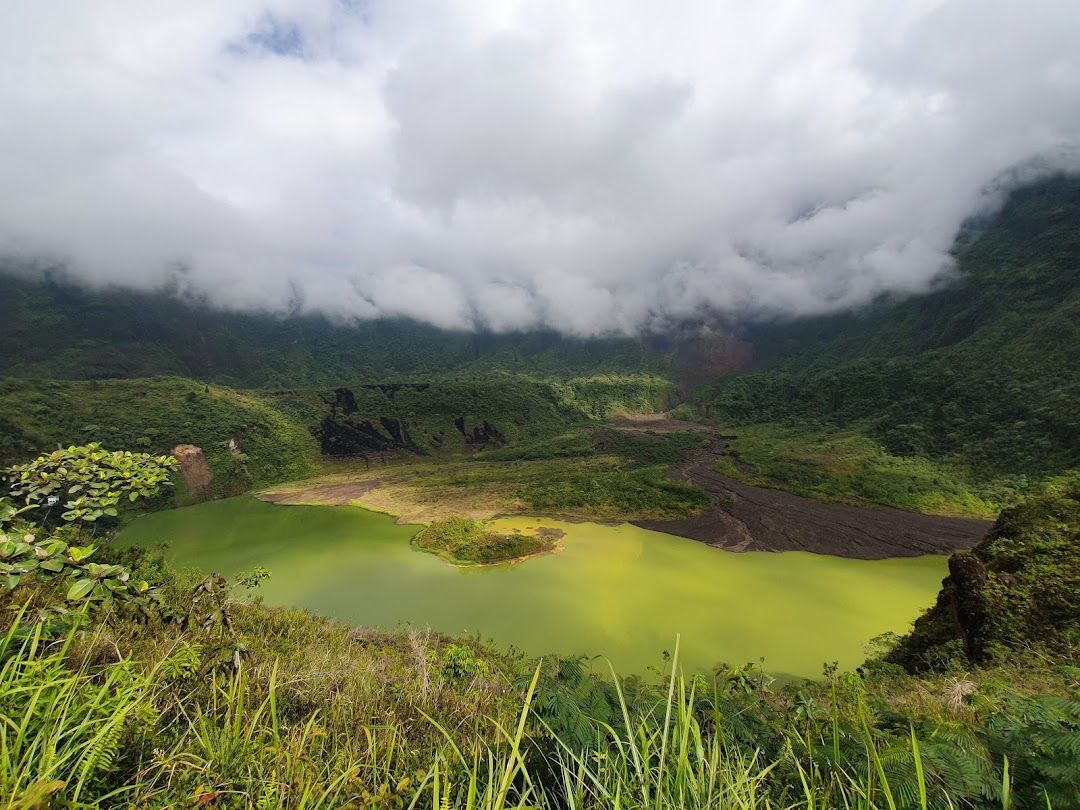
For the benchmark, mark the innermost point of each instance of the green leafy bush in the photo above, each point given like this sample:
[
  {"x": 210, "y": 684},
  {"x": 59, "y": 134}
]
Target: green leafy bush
[
  {"x": 90, "y": 478},
  {"x": 462, "y": 541}
]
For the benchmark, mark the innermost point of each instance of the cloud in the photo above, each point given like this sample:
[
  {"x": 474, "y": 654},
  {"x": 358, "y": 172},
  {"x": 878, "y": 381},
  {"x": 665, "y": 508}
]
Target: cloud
[{"x": 596, "y": 167}]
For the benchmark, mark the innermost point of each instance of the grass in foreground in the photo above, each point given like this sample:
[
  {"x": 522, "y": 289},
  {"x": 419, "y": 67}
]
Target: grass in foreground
[
  {"x": 310, "y": 716},
  {"x": 179, "y": 696}
]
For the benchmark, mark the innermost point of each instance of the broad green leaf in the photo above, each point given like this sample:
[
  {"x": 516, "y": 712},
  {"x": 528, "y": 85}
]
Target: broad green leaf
[
  {"x": 79, "y": 553},
  {"x": 80, "y": 590}
]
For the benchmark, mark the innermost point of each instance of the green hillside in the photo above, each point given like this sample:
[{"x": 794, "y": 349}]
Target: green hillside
[
  {"x": 1016, "y": 593},
  {"x": 956, "y": 402},
  {"x": 980, "y": 379},
  {"x": 180, "y": 693},
  {"x": 287, "y": 434},
  {"x": 52, "y": 328}
]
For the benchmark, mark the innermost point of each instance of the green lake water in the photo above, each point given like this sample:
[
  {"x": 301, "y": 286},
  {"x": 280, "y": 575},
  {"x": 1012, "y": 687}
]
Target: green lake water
[{"x": 617, "y": 591}]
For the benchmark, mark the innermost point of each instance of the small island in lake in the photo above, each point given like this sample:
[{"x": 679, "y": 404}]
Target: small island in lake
[{"x": 466, "y": 542}]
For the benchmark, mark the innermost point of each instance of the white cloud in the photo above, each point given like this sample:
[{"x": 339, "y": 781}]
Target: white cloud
[{"x": 588, "y": 166}]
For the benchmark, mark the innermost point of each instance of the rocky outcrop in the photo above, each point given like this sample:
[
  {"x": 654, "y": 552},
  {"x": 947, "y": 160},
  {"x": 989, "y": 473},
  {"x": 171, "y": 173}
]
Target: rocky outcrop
[
  {"x": 357, "y": 428},
  {"x": 967, "y": 601},
  {"x": 1018, "y": 588},
  {"x": 486, "y": 434},
  {"x": 193, "y": 467}
]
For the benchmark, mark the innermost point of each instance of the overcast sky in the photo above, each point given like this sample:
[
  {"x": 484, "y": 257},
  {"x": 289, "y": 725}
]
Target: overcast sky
[{"x": 587, "y": 165}]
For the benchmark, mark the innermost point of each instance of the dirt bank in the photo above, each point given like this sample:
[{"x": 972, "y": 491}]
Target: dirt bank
[
  {"x": 746, "y": 518},
  {"x": 331, "y": 495},
  {"x": 653, "y": 423}
]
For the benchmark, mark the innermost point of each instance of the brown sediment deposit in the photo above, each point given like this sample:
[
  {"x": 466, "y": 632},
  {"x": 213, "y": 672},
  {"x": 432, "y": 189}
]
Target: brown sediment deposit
[
  {"x": 329, "y": 495},
  {"x": 748, "y": 518},
  {"x": 653, "y": 423}
]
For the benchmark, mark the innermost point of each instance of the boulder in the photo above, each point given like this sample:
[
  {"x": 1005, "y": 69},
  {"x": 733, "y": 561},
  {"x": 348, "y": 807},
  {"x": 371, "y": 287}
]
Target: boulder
[{"x": 193, "y": 467}]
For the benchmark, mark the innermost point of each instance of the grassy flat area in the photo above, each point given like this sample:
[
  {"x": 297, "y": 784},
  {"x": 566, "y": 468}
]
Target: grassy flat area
[
  {"x": 620, "y": 475},
  {"x": 849, "y": 467},
  {"x": 596, "y": 474},
  {"x": 600, "y": 487}
]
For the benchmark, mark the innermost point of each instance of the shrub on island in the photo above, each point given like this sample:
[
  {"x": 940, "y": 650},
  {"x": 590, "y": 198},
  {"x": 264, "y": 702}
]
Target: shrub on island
[{"x": 462, "y": 541}]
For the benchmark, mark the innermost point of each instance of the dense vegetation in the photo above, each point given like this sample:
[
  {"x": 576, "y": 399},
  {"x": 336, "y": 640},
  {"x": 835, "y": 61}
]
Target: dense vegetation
[
  {"x": 288, "y": 435},
  {"x": 847, "y": 466},
  {"x": 156, "y": 415},
  {"x": 127, "y": 684},
  {"x": 1017, "y": 593},
  {"x": 50, "y": 327},
  {"x": 586, "y": 473},
  {"x": 179, "y": 695},
  {"x": 980, "y": 378},
  {"x": 604, "y": 487},
  {"x": 461, "y": 541},
  {"x": 451, "y": 417}
]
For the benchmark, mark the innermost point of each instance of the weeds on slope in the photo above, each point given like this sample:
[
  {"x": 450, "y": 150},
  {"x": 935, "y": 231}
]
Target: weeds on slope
[{"x": 77, "y": 731}]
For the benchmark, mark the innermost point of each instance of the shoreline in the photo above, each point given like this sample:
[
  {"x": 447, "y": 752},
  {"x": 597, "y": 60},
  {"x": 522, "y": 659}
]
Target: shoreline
[{"x": 742, "y": 517}]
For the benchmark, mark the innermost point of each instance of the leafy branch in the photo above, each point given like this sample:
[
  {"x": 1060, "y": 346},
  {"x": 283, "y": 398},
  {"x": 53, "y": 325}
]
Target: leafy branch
[{"x": 92, "y": 479}]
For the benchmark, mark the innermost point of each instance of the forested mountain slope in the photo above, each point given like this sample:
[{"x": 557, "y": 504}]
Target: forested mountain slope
[
  {"x": 984, "y": 372},
  {"x": 257, "y": 437},
  {"x": 52, "y": 328},
  {"x": 953, "y": 402}
]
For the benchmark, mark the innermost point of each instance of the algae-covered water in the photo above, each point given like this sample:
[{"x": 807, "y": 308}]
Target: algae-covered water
[{"x": 616, "y": 591}]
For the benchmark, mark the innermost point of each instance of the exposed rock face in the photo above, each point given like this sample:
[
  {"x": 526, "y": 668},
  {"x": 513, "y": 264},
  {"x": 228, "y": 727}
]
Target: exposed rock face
[
  {"x": 1019, "y": 587},
  {"x": 347, "y": 437},
  {"x": 965, "y": 587},
  {"x": 712, "y": 353},
  {"x": 354, "y": 430},
  {"x": 486, "y": 434},
  {"x": 193, "y": 467}
]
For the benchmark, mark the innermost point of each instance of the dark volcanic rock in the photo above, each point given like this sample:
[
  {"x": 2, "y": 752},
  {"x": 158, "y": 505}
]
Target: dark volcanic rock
[
  {"x": 747, "y": 518},
  {"x": 350, "y": 439}
]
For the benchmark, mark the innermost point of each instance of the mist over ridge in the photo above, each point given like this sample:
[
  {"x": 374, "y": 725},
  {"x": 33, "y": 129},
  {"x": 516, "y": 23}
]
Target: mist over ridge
[{"x": 594, "y": 169}]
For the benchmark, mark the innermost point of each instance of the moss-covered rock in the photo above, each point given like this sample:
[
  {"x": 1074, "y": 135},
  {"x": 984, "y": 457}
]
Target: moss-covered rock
[{"x": 1019, "y": 587}]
